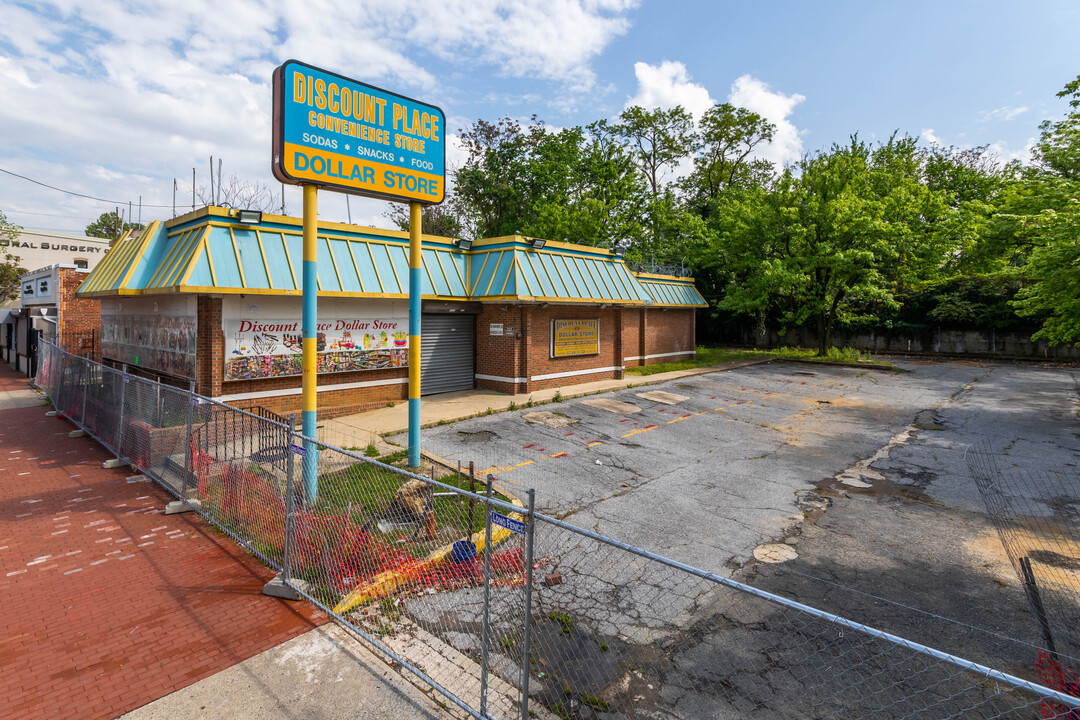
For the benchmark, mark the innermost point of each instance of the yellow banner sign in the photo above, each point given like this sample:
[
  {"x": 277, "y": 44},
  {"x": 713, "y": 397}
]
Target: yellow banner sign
[{"x": 575, "y": 337}]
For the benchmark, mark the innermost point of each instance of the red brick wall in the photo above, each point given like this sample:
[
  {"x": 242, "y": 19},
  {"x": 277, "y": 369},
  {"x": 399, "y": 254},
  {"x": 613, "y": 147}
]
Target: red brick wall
[
  {"x": 332, "y": 403},
  {"x": 77, "y": 318},
  {"x": 499, "y": 355},
  {"x": 668, "y": 331},
  {"x": 210, "y": 346},
  {"x": 632, "y": 336},
  {"x": 539, "y": 346}
]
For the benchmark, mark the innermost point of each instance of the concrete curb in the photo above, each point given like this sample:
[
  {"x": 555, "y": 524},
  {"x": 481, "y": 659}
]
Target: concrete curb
[{"x": 621, "y": 385}]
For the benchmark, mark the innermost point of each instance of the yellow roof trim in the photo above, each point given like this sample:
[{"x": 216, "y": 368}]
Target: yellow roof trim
[
  {"x": 446, "y": 277},
  {"x": 163, "y": 268},
  {"x": 495, "y": 270},
  {"x": 139, "y": 245},
  {"x": 427, "y": 269},
  {"x": 210, "y": 262},
  {"x": 199, "y": 250},
  {"x": 333, "y": 261},
  {"x": 356, "y": 268},
  {"x": 288, "y": 259},
  {"x": 510, "y": 274},
  {"x": 239, "y": 260},
  {"x": 375, "y": 267},
  {"x": 262, "y": 254},
  {"x": 393, "y": 267},
  {"x": 647, "y": 277},
  {"x": 479, "y": 275}
]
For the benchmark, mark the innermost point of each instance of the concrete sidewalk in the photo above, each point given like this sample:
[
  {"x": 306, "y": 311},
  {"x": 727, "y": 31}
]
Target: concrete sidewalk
[
  {"x": 15, "y": 390},
  {"x": 372, "y": 426}
]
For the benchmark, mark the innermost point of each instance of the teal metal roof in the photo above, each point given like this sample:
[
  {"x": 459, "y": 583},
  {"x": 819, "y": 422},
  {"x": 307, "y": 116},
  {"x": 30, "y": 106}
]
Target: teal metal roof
[
  {"x": 508, "y": 268},
  {"x": 667, "y": 291},
  {"x": 209, "y": 251}
]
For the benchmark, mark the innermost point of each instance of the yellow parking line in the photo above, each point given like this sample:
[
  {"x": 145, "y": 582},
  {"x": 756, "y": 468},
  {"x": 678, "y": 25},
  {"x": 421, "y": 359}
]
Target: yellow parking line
[
  {"x": 521, "y": 464},
  {"x": 639, "y": 430},
  {"x": 675, "y": 420},
  {"x": 594, "y": 443}
]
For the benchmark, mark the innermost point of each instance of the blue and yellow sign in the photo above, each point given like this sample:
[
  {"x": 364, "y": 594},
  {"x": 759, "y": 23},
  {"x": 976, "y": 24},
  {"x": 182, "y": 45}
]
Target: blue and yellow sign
[
  {"x": 570, "y": 338},
  {"x": 344, "y": 135}
]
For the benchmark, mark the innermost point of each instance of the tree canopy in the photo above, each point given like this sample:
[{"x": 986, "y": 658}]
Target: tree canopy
[
  {"x": 10, "y": 269},
  {"x": 110, "y": 225},
  {"x": 891, "y": 235}
]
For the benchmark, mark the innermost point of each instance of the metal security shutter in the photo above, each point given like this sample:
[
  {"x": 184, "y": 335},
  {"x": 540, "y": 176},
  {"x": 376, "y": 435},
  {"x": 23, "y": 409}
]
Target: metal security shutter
[{"x": 447, "y": 353}]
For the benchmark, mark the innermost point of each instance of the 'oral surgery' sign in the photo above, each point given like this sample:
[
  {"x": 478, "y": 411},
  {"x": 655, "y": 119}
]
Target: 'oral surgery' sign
[{"x": 344, "y": 135}]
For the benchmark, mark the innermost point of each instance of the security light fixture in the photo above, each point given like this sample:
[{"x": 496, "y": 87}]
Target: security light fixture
[
  {"x": 463, "y": 244},
  {"x": 249, "y": 217},
  {"x": 538, "y": 243}
]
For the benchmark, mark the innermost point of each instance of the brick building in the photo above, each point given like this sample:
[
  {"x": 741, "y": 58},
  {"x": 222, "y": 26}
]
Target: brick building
[
  {"x": 50, "y": 307},
  {"x": 205, "y": 298}
]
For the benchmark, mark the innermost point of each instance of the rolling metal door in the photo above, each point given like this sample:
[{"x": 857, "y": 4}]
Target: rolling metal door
[{"x": 447, "y": 353}]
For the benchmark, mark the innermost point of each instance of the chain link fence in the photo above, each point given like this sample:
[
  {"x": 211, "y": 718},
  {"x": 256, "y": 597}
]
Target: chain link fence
[
  {"x": 1037, "y": 515},
  {"x": 507, "y": 612}
]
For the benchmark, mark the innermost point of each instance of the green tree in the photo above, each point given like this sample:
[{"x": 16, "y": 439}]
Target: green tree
[
  {"x": 1051, "y": 228},
  {"x": 830, "y": 239},
  {"x": 110, "y": 225},
  {"x": 728, "y": 136},
  {"x": 576, "y": 183},
  {"x": 10, "y": 269},
  {"x": 1053, "y": 275},
  {"x": 658, "y": 139}
]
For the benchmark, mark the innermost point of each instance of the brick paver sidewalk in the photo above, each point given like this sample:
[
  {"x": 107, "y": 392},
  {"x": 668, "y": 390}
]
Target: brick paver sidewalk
[{"x": 105, "y": 603}]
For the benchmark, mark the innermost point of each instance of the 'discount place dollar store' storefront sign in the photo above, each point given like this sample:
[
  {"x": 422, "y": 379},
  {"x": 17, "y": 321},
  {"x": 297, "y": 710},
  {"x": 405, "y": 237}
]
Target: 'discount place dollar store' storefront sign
[
  {"x": 575, "y": 337},
  {"x": 344, "y": 135},
  {"x": 272, "y": 348}
]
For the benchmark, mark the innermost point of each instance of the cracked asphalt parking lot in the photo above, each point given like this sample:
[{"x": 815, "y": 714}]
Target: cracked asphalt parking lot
[{"x": 752, "y": 456}]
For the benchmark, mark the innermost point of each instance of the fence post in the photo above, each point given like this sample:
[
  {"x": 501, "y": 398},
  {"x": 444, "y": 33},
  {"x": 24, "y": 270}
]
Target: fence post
[
  {"x": 487, "y": 599},
  {"x": 120, "y": 424},
  {"x": 283, "y": 586},
  {"x": 290, "y": 504},
  {"x": 189, "y": 460},
  {"x": 85, "y": 390},
  {"x": 528, "y": 608}
]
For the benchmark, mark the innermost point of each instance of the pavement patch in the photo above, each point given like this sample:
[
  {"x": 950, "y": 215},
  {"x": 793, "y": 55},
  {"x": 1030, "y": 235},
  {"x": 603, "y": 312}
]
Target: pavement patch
[
  {"x": 663, "y": 397},
  {"x": 548, "y": 419},
  {"x": 775, "y": 553},
  {"x": 612, "y": 406}
]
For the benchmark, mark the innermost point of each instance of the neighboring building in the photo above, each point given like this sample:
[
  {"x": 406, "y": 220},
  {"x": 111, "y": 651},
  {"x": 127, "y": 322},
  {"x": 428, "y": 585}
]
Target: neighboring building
[
  {"x": 41, "y": 248},
  {"x": 203, "y": 297},
  {"x": 50, "y": 308}
]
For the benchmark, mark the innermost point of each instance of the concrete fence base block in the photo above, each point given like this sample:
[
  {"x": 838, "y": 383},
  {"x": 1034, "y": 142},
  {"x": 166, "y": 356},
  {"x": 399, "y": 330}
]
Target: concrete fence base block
[
  {"x": 52, "y": 413},
  {"x": 138, "y": 478},
  {"x": 277, "y": 588},
  {"x": 108, "y": 464},
  {"x": 77, "y": 433},
  {"x": 182, "y": 506}
]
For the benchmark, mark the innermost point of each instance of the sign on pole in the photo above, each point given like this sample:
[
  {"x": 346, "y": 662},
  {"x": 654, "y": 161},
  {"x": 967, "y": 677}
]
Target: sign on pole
[{"x": 348, "y": 136}]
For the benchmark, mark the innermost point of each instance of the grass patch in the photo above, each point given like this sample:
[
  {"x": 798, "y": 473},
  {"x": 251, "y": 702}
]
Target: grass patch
[
  {"x": 707, "y": 357},
  {"x": 369, "y": 490}
]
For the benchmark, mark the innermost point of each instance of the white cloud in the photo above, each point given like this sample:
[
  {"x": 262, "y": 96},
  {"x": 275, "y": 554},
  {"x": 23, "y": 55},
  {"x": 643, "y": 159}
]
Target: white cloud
[
  {"x": 753, "y": 94},
  {"x": 1002, "y": 150},
  {"x": 930, "y": 138},
  {"x": 1003, "y": 113},
  {"x": 667, "y": 85},
  {"x": 147, "y": 90}
]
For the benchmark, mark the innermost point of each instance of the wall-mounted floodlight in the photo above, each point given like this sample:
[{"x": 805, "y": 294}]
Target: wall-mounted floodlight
[
  {"x": 249, "y": 217},
  {"x": 538, "y": 243},
  {"x": 463, "y": 244}
]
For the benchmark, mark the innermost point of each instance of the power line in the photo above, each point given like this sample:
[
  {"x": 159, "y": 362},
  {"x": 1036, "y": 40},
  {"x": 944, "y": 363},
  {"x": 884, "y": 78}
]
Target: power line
[
  {"x": 27, "y": 212},
  {"x": 71, "y": 192}
]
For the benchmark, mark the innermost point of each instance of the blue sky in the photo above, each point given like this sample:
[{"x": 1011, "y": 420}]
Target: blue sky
[{"x": 115, "y": 98}]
